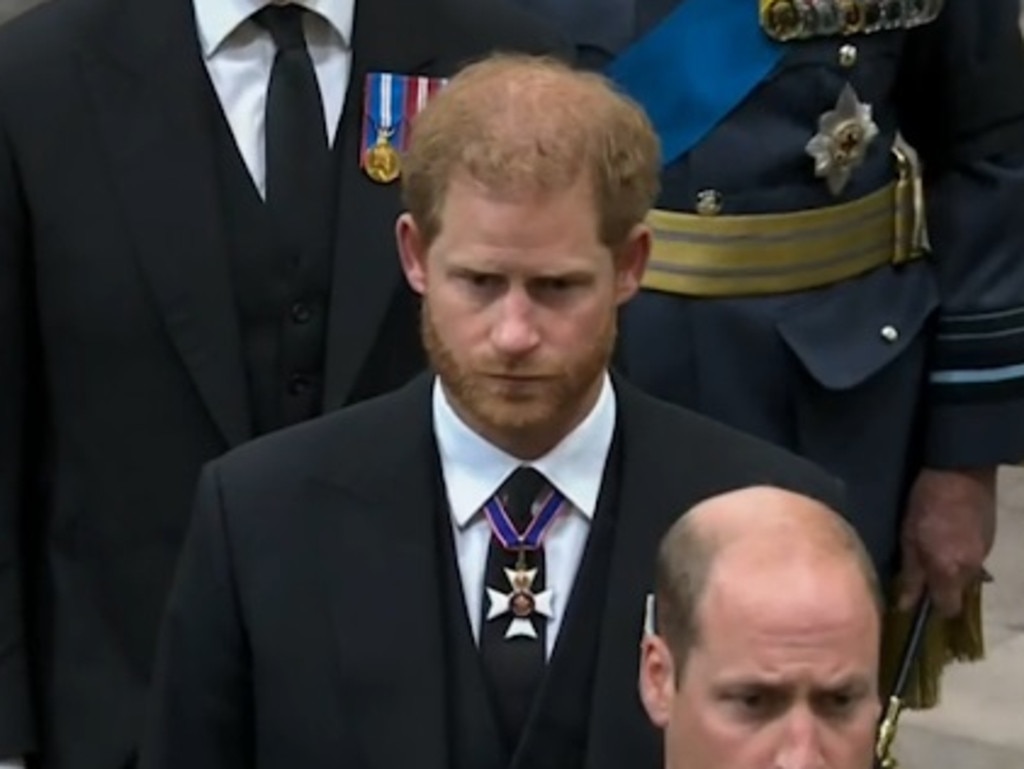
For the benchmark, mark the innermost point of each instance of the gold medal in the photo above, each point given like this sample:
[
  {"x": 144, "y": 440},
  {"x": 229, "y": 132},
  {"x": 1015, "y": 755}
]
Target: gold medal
[
  {"x": 826, "y": 18},
  {"x": 921, "y": 12},
  {"x": 852, "y": 12},
  {"x": 786, "y": 20},
  {"x": 892, "y": 14},
  {"x": 382, "y": 162},
  {"x": 783, "y": 19},
  {"x": 873, "y": 16}
]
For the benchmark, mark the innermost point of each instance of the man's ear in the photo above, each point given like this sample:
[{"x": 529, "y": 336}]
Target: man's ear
[
  {"x": 631, "y": 262},
  {"x": 657, "y": 680},
  {"x": 412, "y": 250}
]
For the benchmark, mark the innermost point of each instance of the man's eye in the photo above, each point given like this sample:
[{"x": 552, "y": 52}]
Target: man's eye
[
  {"x": 838, "y": 704},
  {"x": 755, "y": 702},
  {"x": 556, "y": 288},
  {"x": 556, "y": 284},
  {"x": 481, "y": 280}
]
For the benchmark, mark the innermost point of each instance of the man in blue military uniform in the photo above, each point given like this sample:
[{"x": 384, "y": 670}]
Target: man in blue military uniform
[{"x": 794, "y": 290}]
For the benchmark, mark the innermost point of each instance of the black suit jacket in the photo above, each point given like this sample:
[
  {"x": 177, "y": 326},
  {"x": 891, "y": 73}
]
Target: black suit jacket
[
  {"x": 305, "y": 625},
  {"x": 120, "y": 364}
]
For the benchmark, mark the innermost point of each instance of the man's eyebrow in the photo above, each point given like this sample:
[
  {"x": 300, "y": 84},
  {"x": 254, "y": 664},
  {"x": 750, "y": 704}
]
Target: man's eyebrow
[
  {"x": 751, "y": 681},
  {"x": 855, "y": 683}
]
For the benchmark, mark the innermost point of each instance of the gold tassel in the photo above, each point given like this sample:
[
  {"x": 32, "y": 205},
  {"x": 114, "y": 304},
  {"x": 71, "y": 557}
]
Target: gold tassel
[{"x": 945, "y": 641}]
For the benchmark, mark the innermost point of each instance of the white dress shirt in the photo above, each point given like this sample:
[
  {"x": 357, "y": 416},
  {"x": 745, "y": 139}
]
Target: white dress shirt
[
  {"x": 239, "y": 53},
  {"x": 474, "y": 470}
]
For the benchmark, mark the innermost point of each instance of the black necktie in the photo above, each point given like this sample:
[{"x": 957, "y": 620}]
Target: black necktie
[
  {"x": 514, "y": 667},
  {"x": 297, "y": 151}
]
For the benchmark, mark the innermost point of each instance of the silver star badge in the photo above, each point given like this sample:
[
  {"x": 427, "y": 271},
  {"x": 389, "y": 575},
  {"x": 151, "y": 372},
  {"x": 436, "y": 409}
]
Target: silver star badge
[
  {"x": 521, "y": 603},
  {"x": 841, "y": 143}
]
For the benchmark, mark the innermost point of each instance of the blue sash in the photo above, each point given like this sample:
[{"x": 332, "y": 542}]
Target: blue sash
[{"x": 694, "y": 67}]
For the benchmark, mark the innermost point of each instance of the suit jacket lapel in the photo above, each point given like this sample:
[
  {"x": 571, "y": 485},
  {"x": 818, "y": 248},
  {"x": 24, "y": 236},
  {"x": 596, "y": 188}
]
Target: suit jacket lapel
[
  {"x": 378, "y": 552},
  {"x": 555, "y": 736},
  {"x": 389, "y": 36},
  {"x": 620, "y": 732},
  {"x": 147, "y": 85}
]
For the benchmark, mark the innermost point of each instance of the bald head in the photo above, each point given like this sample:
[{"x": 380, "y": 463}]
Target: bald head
[
  {"x": 767, "y": 645},
  {"x": 769, "y": 527},
  {"x": 758, "y": 546},
  {"x": 529, "y": 126}
]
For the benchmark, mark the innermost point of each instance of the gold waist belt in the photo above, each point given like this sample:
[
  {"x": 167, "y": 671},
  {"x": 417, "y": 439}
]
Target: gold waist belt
[{"x": 778, "y": 253}]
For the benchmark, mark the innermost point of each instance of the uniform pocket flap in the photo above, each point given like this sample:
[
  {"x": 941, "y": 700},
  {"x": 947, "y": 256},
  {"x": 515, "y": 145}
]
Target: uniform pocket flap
[{"x": 852, "y": 332}]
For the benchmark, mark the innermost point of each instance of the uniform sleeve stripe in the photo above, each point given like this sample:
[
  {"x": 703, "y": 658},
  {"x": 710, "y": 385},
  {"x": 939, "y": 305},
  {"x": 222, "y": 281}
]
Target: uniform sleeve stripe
[
  {"x": 975, "y": 335},
  {"x": 982, "y": 323},
  {"x": 1013, "y": 312},
  {"x": 977, "y": 376}
]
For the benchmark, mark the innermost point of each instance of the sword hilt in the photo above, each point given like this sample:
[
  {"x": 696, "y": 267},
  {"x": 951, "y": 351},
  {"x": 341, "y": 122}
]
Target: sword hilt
[{"x": 887, "y": 735}]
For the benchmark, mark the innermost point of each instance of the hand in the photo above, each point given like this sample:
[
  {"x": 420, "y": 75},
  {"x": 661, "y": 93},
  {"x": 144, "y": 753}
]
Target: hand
[{"x": 948, "y": 531}]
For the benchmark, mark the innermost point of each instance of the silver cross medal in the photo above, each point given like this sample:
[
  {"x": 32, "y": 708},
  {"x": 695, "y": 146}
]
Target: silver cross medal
[
  {"x": 841, "y": 143},
  {"x": 521, "y": 603}
]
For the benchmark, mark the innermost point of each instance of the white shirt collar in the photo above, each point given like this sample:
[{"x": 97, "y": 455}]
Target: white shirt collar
[
  {"x": 217, "y": 19},
  {"x": 474, "y": 468}
]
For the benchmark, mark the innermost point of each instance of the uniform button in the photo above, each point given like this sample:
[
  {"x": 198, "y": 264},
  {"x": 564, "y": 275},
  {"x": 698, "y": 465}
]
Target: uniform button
[
  {"x": 847, "y": 55},
  {"x": 709, "y": 202},
  {"x": 299, "y": 384},
  {"x": 301, "y": 313},
  {"x": 890, "y": 334}
]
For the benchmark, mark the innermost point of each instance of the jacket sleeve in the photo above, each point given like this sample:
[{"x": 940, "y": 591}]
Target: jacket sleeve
[
  {"x": 961, "y": 105},
  {"x": 201, "y": 705},
  {"x": 17, "y": 434}
]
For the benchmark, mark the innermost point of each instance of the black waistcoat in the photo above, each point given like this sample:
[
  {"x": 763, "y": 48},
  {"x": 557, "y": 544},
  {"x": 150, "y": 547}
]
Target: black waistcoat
[
  {"x": 556, "y": 734},
  {"x": 281, "y": 292}
]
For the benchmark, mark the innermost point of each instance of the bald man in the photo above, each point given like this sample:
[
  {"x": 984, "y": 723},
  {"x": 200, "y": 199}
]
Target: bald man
[{"x": 765, "y": 650}]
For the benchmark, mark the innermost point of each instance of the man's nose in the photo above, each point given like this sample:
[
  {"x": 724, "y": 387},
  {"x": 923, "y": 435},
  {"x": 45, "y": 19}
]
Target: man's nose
[
  {"x": 801, "y": 744},
  {"x": 515, "y": 331}
]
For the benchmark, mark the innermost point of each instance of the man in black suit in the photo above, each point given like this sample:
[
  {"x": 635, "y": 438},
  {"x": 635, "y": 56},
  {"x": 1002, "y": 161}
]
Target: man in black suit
[
  {"x": 765, "y": 636},
  {"x": 197, "y": 202},
  {"x": 453, "y": 576}
]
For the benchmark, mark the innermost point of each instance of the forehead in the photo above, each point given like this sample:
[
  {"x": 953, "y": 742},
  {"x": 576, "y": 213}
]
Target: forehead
[
  {"x": 481, "y": 225},
  {"x": 815, "y": 613}
]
